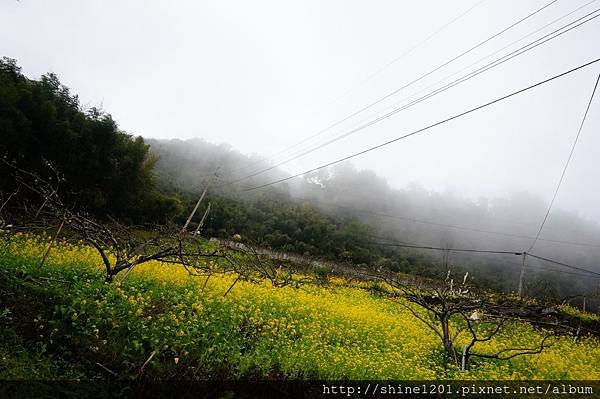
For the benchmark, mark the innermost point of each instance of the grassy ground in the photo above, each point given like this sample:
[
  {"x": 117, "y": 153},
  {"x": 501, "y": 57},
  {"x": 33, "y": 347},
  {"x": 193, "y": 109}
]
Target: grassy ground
[
  {"x": 63, "y": 322},
  {"x": 19, "y": 360}
]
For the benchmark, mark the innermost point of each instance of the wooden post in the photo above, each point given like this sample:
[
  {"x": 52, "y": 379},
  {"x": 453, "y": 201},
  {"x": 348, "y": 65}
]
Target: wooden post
[
  {"x": 62, "y": 223},
  {"x": 205, "y": 282},
  {"x": 520, "y": 290},
  {"x": 232, "y": 285},
  {"x": 584, "y": 303},
  {"x": 202, "y": 220},
  {"x": 464, "y": 358},
  {"x": 189, "y": 219}
]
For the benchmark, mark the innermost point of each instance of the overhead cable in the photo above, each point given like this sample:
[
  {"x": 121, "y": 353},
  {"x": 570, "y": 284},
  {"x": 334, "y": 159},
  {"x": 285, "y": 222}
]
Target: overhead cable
[{"x": 428, "y": 127}]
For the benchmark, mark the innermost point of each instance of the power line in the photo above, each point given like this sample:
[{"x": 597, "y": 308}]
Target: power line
[
  {"x": 512, "y": 43},
  {"x": 518, "y": 253},
  {"x": 542, "y": 268},
  {"x": 563, "y": 264},
  {"x": 564, "y": 171},
  {"x": 406, "y": 53},
  {"x": 367, "y": 79},
  {"x": 429, "y": 126},
  {"x": 451, "y": 226},
  {"x": 530, "y": 46},
  {"x": 421, "y": 77},
  {"x": 493, "y": 232},
  {"x": 394, "y": 244},
  {"x": 462, "y": 79}
]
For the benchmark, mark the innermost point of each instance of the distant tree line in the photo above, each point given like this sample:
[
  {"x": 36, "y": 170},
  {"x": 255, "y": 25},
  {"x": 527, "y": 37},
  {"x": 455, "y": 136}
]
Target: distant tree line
[
  {"x": 344, "y": 196},
  {"x": 107, "y": 171},
  {"x": 284, "y": 225}
]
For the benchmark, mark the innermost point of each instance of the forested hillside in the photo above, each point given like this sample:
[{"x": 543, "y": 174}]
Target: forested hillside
[
  {"x": 361, "y": 205},
  {"x": 340, "y": 214},
  {"x": 106, "y": 171}
]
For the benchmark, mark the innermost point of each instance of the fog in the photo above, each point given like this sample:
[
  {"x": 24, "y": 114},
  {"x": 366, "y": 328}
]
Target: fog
[
  {"x": 244, "y": 81},
  {"x": 263, "y": 75},
  {"x": 413, "y": 215}
]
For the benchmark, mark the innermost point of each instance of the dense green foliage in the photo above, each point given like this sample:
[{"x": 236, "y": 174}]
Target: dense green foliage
[
  {"x": 106, "y": 171},
  {"x": 299, "y": 228}
]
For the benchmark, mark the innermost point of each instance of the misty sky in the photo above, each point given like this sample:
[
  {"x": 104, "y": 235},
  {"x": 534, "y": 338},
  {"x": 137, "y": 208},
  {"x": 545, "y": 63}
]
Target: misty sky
[{"x": 262, "y": 75}]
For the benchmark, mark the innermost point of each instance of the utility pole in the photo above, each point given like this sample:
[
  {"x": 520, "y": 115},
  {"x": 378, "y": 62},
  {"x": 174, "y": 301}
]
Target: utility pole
[
  {"x": 520, "y": 290},
  {"x": 202, "y": 220},
  {"x": 189, "y": 219}
]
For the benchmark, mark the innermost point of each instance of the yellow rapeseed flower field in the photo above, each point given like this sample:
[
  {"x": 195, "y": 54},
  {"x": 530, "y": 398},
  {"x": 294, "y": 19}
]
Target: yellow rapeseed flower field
[{"x": 340, "y": 331}]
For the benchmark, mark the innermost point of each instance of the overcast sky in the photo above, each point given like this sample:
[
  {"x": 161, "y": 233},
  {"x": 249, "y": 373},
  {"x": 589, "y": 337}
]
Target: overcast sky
[{"x": 262, "y": 75}]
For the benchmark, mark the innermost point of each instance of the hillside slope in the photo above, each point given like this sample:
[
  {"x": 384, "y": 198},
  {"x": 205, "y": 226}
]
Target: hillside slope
[{"x": 160, "y": 312}]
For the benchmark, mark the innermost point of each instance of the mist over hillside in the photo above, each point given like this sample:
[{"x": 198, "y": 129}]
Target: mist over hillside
[
  {"x": 299, "y": 199},
  {"x": 412, "y": 215}
]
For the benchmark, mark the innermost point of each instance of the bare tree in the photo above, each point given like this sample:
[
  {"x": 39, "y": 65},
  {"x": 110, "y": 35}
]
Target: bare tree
[
  {"x": 251, "y": 265},
  {"x": 120, "y": 247},
  {"x": 491, "y": 327},
  {"x": 452, "y": 308}
]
